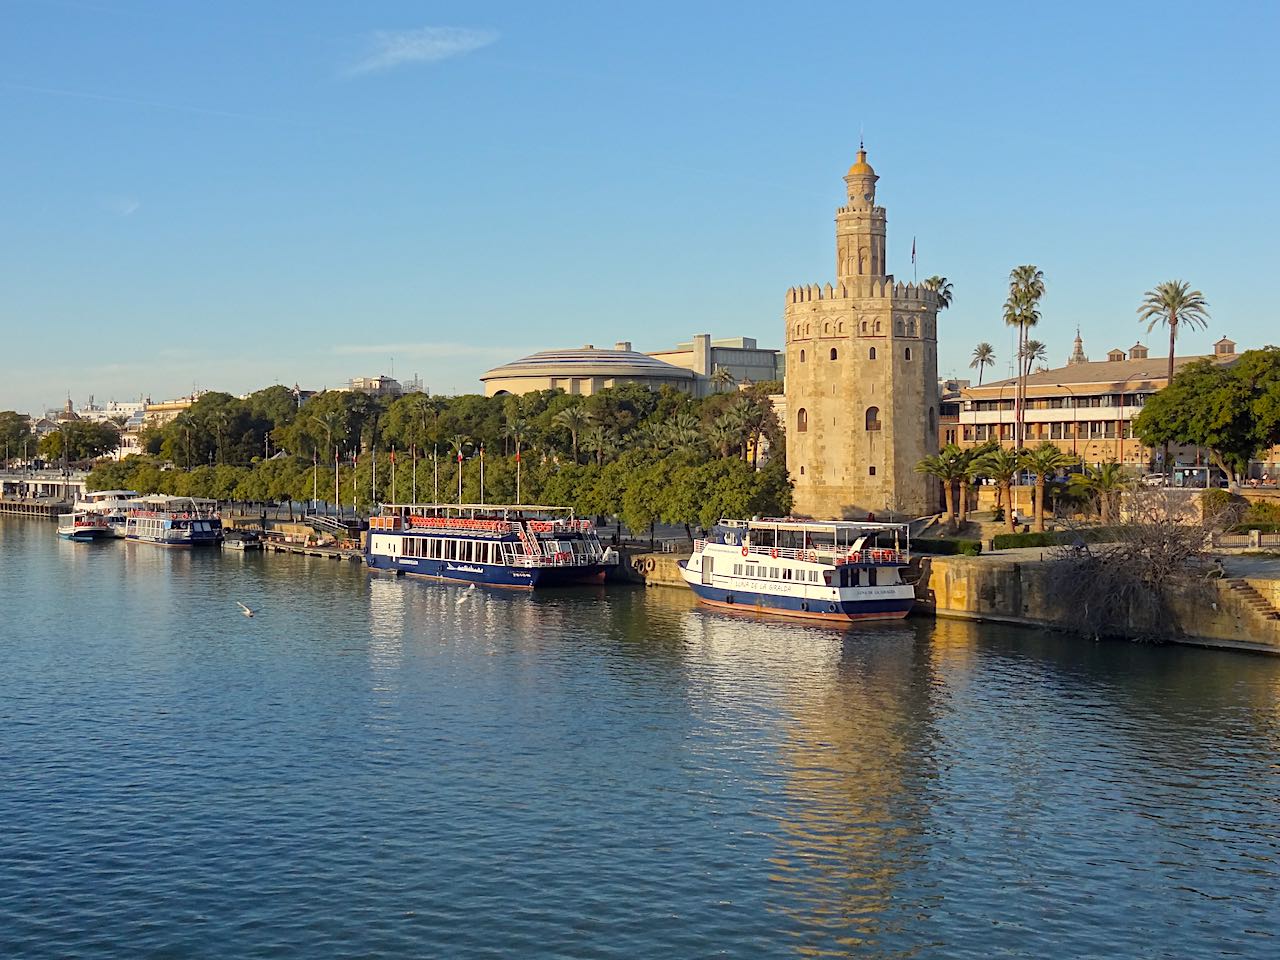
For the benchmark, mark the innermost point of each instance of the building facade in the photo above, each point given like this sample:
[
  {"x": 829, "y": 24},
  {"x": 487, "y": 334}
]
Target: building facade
[
  {"x": 862, "y": 375},
  {"x": 1087, "y": 408},
  {"x": 742, "y": 361}
]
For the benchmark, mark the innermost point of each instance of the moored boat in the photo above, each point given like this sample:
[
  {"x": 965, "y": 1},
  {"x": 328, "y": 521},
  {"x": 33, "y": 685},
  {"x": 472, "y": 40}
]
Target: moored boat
[
  {"x": 242, "y": 540},
  {"x": 83, "y": 526},
  {"x": 112, "y": 504},
  {"x": 498, "y": 545},
  {"x": 174, "y": 521},
  {"x": 816, "y": 570}
]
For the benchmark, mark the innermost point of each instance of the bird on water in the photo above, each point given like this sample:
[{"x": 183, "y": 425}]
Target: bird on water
[{"x": 243, "y": 609}]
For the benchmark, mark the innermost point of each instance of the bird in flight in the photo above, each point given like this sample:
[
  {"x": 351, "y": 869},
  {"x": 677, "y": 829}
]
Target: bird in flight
[{"x": 243, "y": 609}]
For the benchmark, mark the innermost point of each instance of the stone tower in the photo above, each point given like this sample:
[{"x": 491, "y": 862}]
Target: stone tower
[{"x": 862, "y": 376}]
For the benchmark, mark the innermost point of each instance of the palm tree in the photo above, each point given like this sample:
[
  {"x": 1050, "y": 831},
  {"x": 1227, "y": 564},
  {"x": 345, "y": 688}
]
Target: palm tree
[
  {"x": 595, "y": 439},
  {"x": 942, "y": 287},
  {"x": 1002, "y": 466},
  {"x": 1022, "y": 310},
  {"x": 1173, "y": 303},
  {"x": 984, "y": 355},
  {"x": 1044, "y": 461},
  {"x": 574, "y": 419},
  {"x": 947, "y": 465},
  {"x": 684, "y": 432},
  {"x": 722, "y": 435},
  {"x": 1032, "y": 351},
  {"x": 650, "y": 435},
  {"x": 721, "y": 377},
  {"x": 1104, "y": 482}
]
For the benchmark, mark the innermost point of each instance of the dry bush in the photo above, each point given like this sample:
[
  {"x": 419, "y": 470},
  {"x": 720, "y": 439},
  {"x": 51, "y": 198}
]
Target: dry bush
[{"x": 1124, "y": 587}]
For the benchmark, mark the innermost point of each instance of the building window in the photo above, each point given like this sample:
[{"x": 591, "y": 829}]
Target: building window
[
  {"x": 907, "y": 353},
  {"x": 802, "y": 356},
  {"x": 840, "y": 327},
  {"x": 911, "y": 328},
  {"x": 826, "y": 328},
  {"x": 877, "y": 326},
  {"x": 833, "y": 353},
  {"x": 871, "y": 354},
  {"x": 802, "y": 471},
  {"x": 873, "y": 418},
  {"x": 864, "y": 326},
  {"x": 871, "y": 471},
  {"x": 897, "y": 326},
  {"x": 802, "y": 420}
]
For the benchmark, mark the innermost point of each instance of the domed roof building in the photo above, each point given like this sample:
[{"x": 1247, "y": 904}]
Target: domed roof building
[{"x": 585, "y": 371}]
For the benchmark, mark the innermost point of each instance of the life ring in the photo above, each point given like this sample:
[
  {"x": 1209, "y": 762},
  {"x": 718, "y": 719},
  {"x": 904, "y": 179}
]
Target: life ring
[
  {"x": 745, "y": 551},
  {"x": 831, "y": 608},
  {"x": 774, "y": 553}
]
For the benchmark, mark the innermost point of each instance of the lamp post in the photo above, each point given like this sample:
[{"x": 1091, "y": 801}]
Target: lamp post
[
  {"x": 1000, "y": 412},
  {"x": 1075, "y": 417}
]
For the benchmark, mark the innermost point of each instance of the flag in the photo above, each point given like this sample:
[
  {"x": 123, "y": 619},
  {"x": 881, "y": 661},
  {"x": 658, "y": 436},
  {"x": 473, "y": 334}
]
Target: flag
[
  {"x": 913, "y": 250},
  {"x": 517, "y": 456},
  {"x": 393, "y": 454}
]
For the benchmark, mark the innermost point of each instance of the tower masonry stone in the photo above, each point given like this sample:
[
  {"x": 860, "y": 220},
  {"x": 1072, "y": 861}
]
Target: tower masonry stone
[{"x": 862, "y": 376}]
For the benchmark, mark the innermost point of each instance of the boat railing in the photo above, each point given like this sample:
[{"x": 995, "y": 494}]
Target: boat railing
[{"x": 823, "y": 553}]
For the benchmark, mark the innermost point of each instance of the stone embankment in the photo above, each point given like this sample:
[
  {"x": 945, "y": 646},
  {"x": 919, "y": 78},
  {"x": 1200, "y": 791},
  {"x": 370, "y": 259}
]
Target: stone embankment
[{"x": 1014, "y": 587}]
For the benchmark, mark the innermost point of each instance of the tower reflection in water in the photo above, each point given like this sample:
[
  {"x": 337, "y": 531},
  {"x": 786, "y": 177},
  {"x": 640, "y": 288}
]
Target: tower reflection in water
[{"x": 856, "y": 750}]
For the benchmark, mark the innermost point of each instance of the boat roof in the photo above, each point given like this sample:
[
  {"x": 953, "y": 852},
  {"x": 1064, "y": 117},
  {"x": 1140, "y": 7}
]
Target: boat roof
[
  {"x": 481, "y": 507},
  {"x": 165, "y": 499},
  {"x": 816, "y": 526},
  {"x": 104, "y": 494}
]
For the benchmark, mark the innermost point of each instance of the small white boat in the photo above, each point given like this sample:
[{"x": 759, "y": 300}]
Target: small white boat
[
  {"x": 83, "y": 526},
  {"x": 815, "y": 570},
  {"x": 241, "y": 540},
  {"x": 112, "y": 504},
  {"x": 174, "y": 521}
]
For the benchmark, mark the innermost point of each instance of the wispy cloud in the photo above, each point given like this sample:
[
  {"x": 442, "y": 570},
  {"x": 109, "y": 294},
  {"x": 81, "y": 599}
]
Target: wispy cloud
[
  {"x": 121, "y": 206},
  {"x": 427, "y": 350},
  {"x": 387, "y": 49}
]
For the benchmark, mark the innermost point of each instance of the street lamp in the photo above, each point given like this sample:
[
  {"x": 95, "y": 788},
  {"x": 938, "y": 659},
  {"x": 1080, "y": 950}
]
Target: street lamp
[{"x": 1075, "y": 416}]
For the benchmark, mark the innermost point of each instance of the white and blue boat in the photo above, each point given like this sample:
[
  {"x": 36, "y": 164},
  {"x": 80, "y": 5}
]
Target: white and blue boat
[
  {"x": 174, "y": 521},
  {"x": 816, "y": 570},
  {"x": 112, "y": 504},
  {"x": 520, "y": 547},
  {"x": 83, "y": 526}
]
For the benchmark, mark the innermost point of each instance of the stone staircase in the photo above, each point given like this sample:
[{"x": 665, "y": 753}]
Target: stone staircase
[{"x": 1252, "y": 599}]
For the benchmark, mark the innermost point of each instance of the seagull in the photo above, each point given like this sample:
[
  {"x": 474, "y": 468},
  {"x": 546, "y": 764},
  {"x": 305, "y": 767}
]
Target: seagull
[
  {"x": 466, "y": 595},
  {"x": 243, "y": 609}
]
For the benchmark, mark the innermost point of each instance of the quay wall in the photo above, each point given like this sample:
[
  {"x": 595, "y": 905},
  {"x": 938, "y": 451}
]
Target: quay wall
[
  {"x": 1016, "y": 590},
  {"x": 654, "y": 569}
]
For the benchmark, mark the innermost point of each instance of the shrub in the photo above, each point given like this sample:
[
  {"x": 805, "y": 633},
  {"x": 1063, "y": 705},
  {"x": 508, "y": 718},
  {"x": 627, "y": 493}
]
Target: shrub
[
  {"x": 1261, "y": 512},
  {"x": 967, "y": 548},
  {"x": 1213, "y": 503},
  {"x": 1005, "y": 541}
]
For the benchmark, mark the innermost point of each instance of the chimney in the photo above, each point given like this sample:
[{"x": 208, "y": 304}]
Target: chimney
[
  {"x": 624, "y": 345},
  {"x": 702, "y": 354}
]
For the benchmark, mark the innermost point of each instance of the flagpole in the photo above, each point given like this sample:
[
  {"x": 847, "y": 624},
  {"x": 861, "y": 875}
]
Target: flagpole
[
  {"x": 482, "y": 473},
  {"x": 373, "y": 483},
  {"x": 459, "y": 476},
  {"x": 337, "y": 498},
  {"x": 415, "y": 473},
  {"x": 914, "y": 276},
  {"x": 393, "y": 473},
  {"x": 517, "y": 468},
  {"x": 435, "y": 473}
]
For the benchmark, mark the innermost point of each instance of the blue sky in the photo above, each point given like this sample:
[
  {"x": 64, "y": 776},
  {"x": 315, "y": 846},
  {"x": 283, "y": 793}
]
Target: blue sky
[{"x": 234, "y": 194}]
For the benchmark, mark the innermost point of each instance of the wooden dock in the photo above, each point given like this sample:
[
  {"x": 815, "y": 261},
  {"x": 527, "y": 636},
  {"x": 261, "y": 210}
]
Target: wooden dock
[
  {"x": 46, "y": 509},
  {"x": 308, "y": 550}
]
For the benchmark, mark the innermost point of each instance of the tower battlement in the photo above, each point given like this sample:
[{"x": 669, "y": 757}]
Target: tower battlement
[{"x": 858, "y": 288}]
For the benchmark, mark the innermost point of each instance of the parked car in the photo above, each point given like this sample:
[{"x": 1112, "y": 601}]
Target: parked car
[{"x": 1155, "y": 480}]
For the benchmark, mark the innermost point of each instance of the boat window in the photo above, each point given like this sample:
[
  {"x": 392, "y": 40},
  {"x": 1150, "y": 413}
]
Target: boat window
[{"x": 776, "y": 574}]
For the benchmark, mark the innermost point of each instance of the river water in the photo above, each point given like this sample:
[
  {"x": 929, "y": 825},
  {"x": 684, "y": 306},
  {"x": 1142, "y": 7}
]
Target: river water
[{"x": 385, "y": 768}]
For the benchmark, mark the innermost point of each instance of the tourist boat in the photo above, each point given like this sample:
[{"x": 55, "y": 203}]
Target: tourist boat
[
  {"x": 83, "y": 525},
  {"x": 113, "y": 504},
  {"x": 242, "y": 540},
  {"x": 496, "y": 545},
  {"x": 174, "y": 521},
  {"x": 819, "y": 570}
]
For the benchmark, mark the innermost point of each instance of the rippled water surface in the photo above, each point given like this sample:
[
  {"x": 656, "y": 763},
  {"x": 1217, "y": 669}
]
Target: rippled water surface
[{"x": 381, "y": 768}]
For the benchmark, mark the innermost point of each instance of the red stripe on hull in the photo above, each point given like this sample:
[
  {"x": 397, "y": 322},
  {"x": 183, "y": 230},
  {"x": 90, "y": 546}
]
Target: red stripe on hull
[{"x": 804, "y": 614}]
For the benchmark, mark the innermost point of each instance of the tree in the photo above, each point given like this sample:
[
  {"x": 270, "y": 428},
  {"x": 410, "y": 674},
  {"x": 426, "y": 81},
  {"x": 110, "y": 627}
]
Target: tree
[
  {"x": 1173, "y": 303},
  {"x": 1032, "y": 351},
  {"x": 722, "y": 378},
  {"x": 948, "y": 466},
  {"x": 984, "y": 355},
  {"x": 942, "y": 287},
  {"x": 1209, "y": 405},
  {"x": 1022, "y": 310},
  {"x": 575, "y": 419},
  {"x": 1044, "y": 461},
  {"x": 1103, "y": 483},
  {"x": 1002, "y": 466},
  {"x": 79, "y": 440}
]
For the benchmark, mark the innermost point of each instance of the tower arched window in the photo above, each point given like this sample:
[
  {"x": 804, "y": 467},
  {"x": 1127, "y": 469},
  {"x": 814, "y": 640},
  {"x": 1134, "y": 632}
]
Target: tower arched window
[
  {"x": 877, "y": 326},
  {"x": 840, "y": 327},
  {"x": 802, "y": 420},
  {"x": 871, "y": 354},
  {"x": 802, "y": 356},
  {"x": 911, "y": 328},
  {"x": 833, "y": 353},
  {"x": 907, "y": 353},
  {"x": 826, "y": 327},
  {"x": 897, "y": 327},
  {"x": 864, "y": 326},
  {"x": 806, "y": 330},
  {"x": 873, "y": 418}
]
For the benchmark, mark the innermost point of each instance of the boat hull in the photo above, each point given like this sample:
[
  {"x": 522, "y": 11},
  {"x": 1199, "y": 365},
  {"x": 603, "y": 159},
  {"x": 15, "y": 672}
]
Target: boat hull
[
  {"x": 489, "y": 575},
  {"x": 84, "y": 536}
]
